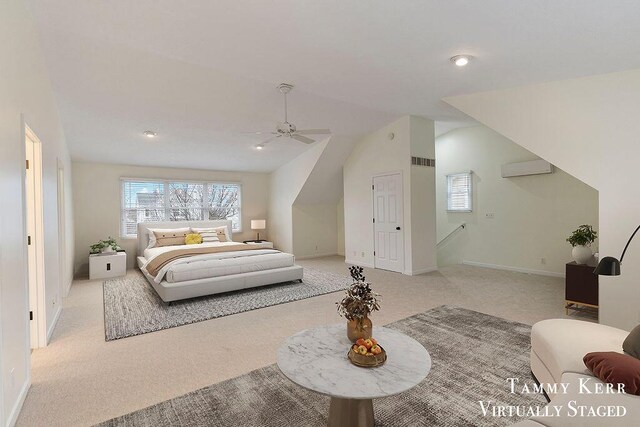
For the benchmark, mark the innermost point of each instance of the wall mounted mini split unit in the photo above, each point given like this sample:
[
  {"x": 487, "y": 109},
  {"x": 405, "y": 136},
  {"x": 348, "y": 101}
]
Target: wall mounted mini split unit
[{"x": 533, "y": 167}]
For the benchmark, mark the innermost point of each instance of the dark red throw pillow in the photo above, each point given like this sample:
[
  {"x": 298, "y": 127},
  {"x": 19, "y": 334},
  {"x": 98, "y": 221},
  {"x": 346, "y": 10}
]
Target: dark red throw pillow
[{"x": 615, "y": 368}]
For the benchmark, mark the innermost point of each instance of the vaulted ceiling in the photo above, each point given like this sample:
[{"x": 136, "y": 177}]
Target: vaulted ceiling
[{"x": 201, "y": 72}]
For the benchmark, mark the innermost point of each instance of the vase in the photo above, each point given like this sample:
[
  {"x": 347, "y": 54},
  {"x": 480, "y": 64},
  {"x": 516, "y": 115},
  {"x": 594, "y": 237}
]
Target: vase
[
  {"x": 581, "y": 254},
  {"x": 108, "y": 250},
  {"x": 359, "y": 328}
]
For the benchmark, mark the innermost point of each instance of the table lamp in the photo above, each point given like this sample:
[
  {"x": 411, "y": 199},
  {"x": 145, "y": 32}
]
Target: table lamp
[
  {"x": 258, "y": 224},
  {"x": 610, "y": 266}
]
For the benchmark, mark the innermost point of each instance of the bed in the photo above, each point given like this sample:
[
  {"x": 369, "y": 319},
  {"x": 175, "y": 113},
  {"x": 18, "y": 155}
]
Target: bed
[{"x": 189, "y": 271}]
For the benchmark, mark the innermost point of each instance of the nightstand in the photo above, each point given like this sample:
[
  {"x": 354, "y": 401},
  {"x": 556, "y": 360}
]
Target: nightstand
[
  {"x": 107, "y": 265},
  {"x": 263, "y": 244}
]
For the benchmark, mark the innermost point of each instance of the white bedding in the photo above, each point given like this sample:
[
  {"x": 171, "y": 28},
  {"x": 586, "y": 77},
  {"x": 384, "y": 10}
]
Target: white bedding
[{"x": 217, "y": 264}]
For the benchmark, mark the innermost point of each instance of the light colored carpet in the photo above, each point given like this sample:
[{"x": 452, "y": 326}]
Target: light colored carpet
[
  {"x": 473, "y": 354},
  {"x": 132, "y": 307},
  {"x": 81, "y": 380}
]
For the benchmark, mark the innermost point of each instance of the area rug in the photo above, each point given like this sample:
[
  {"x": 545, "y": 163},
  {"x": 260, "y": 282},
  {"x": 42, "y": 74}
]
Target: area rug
[
  {"x": 473, "y": 354},
  {"x": 132, "y": 306}
]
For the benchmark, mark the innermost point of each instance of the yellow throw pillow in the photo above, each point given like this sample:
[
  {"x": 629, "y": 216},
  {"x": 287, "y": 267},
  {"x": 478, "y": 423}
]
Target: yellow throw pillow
[{"x": 193, "y": 239}]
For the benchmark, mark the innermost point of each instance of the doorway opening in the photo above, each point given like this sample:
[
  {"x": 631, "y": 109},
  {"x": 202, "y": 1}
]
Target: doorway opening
[
  {"x": 34, "y": 219},
  {"x": 62, "y": 232}
]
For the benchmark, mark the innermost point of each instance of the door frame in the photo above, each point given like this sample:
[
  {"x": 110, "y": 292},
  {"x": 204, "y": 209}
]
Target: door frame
[
  {"x": 373, "y": 215},
  {"x": 36, "y": 273}
]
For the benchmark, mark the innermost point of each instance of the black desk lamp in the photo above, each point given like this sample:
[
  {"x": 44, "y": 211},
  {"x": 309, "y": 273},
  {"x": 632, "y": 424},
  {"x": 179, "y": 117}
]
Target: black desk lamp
[{"x": 609, "y": 266}]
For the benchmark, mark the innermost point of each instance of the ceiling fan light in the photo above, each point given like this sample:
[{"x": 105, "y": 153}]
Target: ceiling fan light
[{"x": 150, "y": 134}]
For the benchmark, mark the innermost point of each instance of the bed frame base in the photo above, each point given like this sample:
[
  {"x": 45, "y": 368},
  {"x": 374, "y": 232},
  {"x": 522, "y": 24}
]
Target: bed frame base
[{"x": 196, "y": 288}]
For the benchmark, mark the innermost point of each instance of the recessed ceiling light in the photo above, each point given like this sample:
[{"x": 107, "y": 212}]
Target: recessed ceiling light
[
  {"x": 259, "y": 147},
  {"x": 149, "y": 134},
  {"x": 461, "y": 60}
]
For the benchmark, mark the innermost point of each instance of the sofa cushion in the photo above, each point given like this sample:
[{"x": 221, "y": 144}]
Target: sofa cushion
[
  {"x": 576, "y": 399},
  {"x": 631, "y": 344},
  {"x": 615, "y": 368},
  {"x": 561, "y": 343}
]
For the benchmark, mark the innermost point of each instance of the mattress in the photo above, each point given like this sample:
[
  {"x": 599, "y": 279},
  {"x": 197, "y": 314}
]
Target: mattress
[
  {"x": 204, "y": 269},
  {"x": 217, "y": 264}
]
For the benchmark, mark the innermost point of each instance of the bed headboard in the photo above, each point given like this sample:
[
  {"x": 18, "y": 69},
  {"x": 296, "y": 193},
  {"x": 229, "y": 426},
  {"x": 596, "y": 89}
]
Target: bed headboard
[{"x": 143, "y": 229}]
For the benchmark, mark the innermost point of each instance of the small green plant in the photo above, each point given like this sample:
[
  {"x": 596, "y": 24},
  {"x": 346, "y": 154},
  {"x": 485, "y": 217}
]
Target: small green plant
[
  {"x": 584, "y": 235},
  {"x": 103, "y": 244}
]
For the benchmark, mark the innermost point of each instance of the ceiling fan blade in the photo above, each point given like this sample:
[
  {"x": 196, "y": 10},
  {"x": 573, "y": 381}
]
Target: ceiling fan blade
[
  {"x": 313, "y": 132},
  {"x": 259, "y": 133},
  {"x": 302, "y": 138}
]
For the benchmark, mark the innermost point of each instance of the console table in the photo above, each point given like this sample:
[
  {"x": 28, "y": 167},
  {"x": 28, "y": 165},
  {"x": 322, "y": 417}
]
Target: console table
[{"x": 581, "y": 286}]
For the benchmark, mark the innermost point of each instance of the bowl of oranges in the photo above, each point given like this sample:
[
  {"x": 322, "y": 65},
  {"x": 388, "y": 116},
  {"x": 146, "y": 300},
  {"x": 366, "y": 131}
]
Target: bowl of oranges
[{"x": 367, "y": 353}]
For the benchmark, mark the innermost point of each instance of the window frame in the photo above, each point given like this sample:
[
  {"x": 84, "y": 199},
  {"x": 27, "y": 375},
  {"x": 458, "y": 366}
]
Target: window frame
[
  {"x": 450, "y": 176},
  {"x": 166, "y": 200}
]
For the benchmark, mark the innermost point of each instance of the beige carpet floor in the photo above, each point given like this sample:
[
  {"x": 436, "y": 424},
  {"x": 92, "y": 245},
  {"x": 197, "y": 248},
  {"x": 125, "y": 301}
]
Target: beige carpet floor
[{"x": 80, "y": 380}]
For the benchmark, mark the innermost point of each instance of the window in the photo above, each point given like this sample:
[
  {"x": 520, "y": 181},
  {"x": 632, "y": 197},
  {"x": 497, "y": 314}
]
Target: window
[
  {"x": 459, "y": 194},
  {"x": 148, "y": 201}
]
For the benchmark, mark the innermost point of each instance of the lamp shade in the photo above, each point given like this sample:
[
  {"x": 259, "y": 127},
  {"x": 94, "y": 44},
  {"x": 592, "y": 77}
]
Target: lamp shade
[
  {"x": 608, "y": 266},
  {"x": 258, "y": 224}
]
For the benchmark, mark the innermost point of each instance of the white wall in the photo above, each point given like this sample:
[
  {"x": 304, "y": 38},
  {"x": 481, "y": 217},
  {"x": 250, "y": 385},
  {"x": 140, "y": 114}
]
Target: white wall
[
  {"x": 25, "y": 90},
  {"x": 96, "y": 188},
  {"x": 589, "y": 127},
  {"x": 376, "y": 154},
  {"x": 285, "y": 184},
  {"x": 315, "y": 230},
  {"x": 533, "y": 214},
  {"x": 423, "y": 198}
]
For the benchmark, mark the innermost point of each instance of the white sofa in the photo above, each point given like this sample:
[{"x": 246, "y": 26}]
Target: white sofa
[{"x": 557, "y": 349}]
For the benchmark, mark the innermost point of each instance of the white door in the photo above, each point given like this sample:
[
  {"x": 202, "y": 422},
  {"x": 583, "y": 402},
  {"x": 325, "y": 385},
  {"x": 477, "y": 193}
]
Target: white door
[
  {"x": 35, "y": 243},
  {"x": 388, "y": 226}
]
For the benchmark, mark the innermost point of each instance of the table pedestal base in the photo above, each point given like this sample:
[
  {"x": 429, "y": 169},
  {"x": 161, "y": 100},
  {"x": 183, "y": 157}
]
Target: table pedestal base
[{"x": 350, "y": 412}]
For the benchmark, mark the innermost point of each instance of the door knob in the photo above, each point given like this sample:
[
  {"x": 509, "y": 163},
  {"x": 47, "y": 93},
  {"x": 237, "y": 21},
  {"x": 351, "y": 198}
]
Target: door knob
[{"x": 397, "y": 228}]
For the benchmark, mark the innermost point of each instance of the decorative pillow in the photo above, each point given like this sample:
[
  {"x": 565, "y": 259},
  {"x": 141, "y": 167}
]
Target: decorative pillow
[
  {"x": 615, "y": 368},
  {"x": 222, "y": 234},
  {"x": 193, "y": 239},
  {"x": 171, "y": 237},
  {"x": 152, "y": 235},
  {"x": 208, "y": 234},
  {"x": 631, "y": 344}
]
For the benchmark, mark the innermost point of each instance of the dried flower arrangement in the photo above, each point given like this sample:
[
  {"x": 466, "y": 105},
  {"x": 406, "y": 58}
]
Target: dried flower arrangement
[{"x": 359, "y": 300}]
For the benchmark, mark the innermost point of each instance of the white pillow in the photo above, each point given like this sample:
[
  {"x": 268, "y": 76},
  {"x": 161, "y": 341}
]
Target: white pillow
[
  {"x": 152, "y": 236},
  {"x": 226, "y": 232},
  {"x": 208, "y": 234}
]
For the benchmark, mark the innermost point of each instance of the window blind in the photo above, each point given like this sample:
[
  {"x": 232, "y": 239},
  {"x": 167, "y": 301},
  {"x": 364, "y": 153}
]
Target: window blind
[
  {"x": 459, "y": 192},
  {"x": 156, "y": 200}
]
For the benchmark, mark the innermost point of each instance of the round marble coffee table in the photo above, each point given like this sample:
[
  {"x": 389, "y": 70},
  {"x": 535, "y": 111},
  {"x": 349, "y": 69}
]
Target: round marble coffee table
[{"x": 316, "y": 359}]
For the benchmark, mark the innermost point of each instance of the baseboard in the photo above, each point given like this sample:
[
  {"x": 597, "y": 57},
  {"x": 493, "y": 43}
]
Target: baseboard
[
  {"x": 516, "y": 269},
  {"x": 54, "y": 323},
  {"x": 15, "y": 411},
  {"x": 359, "y": 263},
  {"x": 422, "y": 271},
  {"x": 316, "y": 255}
]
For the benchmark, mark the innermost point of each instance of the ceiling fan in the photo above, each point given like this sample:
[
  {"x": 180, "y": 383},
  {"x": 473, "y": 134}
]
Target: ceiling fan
[{"x": 289, "y": 130}]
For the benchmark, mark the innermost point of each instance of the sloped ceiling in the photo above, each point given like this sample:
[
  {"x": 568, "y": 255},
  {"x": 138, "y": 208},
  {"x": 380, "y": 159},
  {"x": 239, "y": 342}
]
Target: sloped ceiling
[{"x": 199, "y": 72}]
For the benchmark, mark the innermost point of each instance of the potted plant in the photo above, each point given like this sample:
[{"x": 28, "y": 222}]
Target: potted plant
[
  {"x": 359, "y": 302},
  {"x": 581, "y": 240},
  {"x": 105, "y": 246}
]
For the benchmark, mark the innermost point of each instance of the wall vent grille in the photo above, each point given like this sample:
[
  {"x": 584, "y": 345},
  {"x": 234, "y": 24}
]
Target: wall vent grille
[{"x": 423, "y": 161}]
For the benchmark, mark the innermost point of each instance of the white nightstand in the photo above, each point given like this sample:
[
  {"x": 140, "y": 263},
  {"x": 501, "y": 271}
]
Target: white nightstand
[
  {"x": 104, "y": 266},
  {"x": 263, "y": 245}
]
